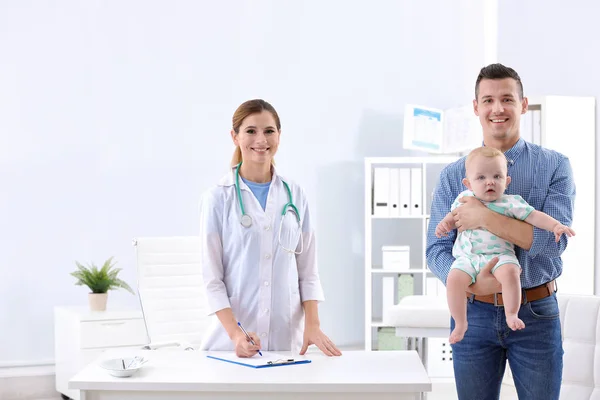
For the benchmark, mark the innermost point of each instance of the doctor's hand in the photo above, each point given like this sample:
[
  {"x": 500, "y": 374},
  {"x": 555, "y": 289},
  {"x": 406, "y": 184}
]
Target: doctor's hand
[
  {"x": 314, "y": 335},
  {"x": 471, "y": 215},
  {"x": 243, "y": 347}
]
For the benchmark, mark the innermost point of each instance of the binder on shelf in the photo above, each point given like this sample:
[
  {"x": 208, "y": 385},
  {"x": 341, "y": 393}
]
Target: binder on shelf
[
  {"x": 387, "y": 290},
  {"x": 387, "y": 339},
  {"x": 394, "y": 205},
  {"x": 404, "y": 191},
  {"x": 406, "y": 286},
  {"x": 381, "y": 192},
  {"x": 267, "y": 360},
  {"x": 416, "y": 182}
]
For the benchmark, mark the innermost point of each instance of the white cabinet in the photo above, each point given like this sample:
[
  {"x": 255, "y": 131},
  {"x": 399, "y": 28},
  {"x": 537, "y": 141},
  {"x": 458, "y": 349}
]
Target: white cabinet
[
  {"x": 80, "y": 336},
  {"x": 398, "y": 195}
]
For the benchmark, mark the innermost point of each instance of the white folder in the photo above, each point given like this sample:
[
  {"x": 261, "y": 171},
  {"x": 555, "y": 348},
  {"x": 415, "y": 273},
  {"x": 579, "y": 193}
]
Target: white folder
[
  {"x": 404, "y": 191},
  {"x": 387, "y": 291},
  {"x": 416, "y": 195},
  {"x": 381, "y": 192},
  {"x": 394, "y": 192}
]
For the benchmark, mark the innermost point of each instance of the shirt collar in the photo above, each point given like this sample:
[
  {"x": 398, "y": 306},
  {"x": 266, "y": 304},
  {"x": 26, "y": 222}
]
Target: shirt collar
[{"x": 514, "y": 152}]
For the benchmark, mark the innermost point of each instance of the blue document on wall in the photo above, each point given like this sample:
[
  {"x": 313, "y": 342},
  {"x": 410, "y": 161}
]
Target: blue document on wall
[
  {"x": 441, "y": 131},
  {"x": 267, "y": 360}
]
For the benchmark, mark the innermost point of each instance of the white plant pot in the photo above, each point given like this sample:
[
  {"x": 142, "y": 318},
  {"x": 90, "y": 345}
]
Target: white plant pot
[{"x": 98, "y": 301}]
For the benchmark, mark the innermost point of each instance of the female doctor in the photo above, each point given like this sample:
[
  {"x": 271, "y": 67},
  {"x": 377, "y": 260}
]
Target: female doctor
[{"x": 258, "y": 249}]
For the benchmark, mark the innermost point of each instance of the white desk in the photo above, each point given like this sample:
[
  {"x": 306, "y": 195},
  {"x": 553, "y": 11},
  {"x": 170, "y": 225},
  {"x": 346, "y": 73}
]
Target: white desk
[{"x": 355, "y": 375}]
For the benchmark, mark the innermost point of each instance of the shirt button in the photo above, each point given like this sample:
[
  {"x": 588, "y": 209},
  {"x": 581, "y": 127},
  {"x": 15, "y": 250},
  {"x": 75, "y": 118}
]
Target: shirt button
[
  {"x": 268, "y": 256},
  {"x": 266, "y": 310},
  {"x": 267, "y": 227},
  {"x": 264, "y": 334},
  {"x": 266, "y": 283}
]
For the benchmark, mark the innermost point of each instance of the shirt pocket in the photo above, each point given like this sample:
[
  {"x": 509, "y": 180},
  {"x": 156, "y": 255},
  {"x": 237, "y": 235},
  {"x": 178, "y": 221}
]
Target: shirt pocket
[{"x": 289, "y": 232}]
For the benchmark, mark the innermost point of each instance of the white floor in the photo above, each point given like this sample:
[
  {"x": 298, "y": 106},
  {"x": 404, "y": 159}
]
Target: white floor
[{"x": 28, "y": 388}]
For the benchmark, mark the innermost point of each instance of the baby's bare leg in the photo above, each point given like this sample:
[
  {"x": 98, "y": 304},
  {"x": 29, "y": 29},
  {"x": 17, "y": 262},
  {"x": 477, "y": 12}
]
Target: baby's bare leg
[
  {"x": 456, "y": 285},
  {"x": 509, "y": 276}
]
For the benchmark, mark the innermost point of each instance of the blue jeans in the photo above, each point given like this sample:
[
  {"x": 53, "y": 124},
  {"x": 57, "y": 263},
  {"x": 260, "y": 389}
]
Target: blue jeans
[{"x": 535, "y": 354}]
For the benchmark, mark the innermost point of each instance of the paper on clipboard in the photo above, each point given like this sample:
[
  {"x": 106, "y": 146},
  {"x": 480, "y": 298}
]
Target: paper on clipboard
[
  {"x": 268, "y": 359},
  {"x": 423, "y": 128}
]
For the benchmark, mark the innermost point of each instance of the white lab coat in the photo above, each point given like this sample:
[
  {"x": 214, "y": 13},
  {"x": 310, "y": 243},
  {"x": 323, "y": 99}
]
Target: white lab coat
[{"x": 246, "y": 268}]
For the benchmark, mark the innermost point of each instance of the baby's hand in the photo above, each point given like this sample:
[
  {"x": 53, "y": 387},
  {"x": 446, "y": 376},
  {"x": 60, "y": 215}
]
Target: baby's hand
[
  {"x": 559, "y": 229},
  {"x": 443, "y": 228}
]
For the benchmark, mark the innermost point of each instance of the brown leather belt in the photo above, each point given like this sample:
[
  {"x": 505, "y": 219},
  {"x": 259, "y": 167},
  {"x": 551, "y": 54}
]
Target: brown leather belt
[{"x": 528, "y": 295}]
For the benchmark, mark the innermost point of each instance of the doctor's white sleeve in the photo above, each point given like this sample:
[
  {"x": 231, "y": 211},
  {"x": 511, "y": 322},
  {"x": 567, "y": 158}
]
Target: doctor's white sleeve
[
  {"x": 308, "y": 271},
  {"x": 211, "y": 252}
]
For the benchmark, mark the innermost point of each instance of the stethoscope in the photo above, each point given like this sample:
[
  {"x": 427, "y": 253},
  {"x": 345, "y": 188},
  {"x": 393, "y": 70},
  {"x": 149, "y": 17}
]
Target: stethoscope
[{"x": 246, "y": 220}]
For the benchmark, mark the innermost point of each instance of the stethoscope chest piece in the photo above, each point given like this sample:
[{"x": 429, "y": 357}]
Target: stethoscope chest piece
[{"x": 246, "y": 221}]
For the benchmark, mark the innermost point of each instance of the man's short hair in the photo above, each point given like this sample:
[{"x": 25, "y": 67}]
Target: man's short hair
[{"x": 498, "y": 71}]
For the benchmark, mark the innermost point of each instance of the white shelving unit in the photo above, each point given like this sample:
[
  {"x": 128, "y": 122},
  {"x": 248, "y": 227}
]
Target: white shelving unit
[{"x": 396, "y": 230}]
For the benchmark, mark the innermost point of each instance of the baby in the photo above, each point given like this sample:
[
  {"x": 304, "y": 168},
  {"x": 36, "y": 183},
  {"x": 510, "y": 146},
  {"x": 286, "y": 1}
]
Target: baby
[{"x": 486, "y": 179}]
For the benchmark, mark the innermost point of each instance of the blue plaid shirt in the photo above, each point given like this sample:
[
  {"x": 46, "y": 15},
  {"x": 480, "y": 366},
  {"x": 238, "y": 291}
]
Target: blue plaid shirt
[{"x": 544, "y": 179}]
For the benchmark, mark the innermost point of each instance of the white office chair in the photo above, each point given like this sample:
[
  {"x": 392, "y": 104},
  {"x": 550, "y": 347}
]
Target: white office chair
[{"x": 171, "y": 291}]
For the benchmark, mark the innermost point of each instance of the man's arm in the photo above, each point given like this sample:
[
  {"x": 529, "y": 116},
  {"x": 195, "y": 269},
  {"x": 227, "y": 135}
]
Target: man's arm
[
  {"x": 559, "y": 205},
  {"x": 510, "y": 229},
  {"x": 473, "y": 214}
]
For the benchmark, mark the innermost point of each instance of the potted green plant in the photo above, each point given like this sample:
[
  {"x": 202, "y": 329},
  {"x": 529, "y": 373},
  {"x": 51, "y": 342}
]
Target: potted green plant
[{"x": 100, "y": 281}]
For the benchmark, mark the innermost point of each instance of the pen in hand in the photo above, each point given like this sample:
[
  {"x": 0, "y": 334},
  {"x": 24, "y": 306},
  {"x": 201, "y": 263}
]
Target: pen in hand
[{"x": 248, "y": 337}]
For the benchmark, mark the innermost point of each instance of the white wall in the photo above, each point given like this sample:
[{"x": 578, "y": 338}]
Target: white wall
[
  {"x": 115, "y": 116},
  {"x": 551, "y": 45}
]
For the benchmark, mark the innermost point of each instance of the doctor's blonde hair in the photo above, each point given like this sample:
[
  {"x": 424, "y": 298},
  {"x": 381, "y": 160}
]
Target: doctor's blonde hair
[
  {"x": 484, "y": 151},
  {"x": 247, "y": 108}
]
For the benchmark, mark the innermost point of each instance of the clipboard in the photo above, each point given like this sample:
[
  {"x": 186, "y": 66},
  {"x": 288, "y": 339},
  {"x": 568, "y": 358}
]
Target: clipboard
[{"x": 268, "y": 360}]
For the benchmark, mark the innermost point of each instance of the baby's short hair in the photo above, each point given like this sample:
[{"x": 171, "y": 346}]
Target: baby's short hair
[{"x": 484, "y": 152}]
